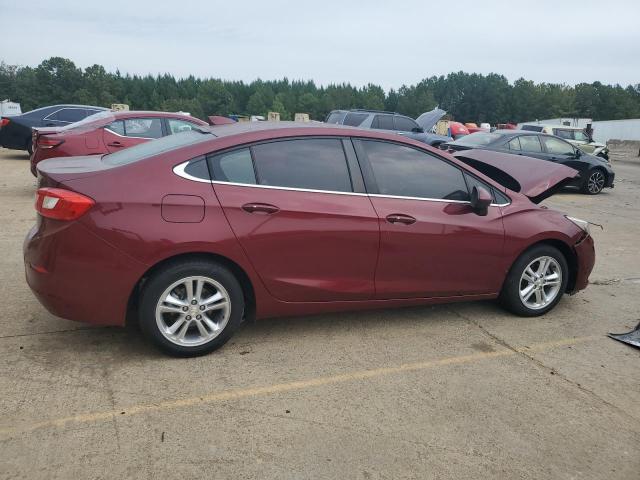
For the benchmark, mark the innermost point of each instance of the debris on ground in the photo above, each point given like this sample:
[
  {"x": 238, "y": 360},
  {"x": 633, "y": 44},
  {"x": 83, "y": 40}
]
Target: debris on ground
[{"x": 632, "y": 337}]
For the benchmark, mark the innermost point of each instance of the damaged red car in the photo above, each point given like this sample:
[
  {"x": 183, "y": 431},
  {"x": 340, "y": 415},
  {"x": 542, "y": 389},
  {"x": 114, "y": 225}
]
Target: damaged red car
[
  {"x": 192, "y": 233},
  {"x": 106, "y": 132}
]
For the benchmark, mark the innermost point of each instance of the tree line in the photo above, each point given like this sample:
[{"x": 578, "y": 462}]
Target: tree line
[{"x": 467, "y": 97}]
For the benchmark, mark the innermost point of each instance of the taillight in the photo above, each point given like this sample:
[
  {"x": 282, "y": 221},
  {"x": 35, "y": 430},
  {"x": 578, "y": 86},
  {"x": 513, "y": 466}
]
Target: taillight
[
  {"x": 61, "y": 204},
  {"x": 44, "y": 141},
  {"x": 4, "y": 122}
]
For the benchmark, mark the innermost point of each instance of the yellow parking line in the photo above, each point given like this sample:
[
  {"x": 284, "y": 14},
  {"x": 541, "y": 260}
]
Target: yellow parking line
[{"x": 282, "y": 387}]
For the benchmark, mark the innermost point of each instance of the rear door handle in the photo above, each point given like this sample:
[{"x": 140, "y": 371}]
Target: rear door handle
[
  {"x": 400, "y": 218},
  {"x": 260, "y": 208}
]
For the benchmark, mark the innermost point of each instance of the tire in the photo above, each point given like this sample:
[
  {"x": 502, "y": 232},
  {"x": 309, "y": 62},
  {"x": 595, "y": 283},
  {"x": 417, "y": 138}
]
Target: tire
[
  {"x": 29, "y": 147},
  {"x": 551, "y": 291},
  {"x": 594, "y": 183},
  {"x": 189, "y": 328}
]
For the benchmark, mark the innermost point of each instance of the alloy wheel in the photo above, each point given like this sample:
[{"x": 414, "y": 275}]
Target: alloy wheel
[
  {"x": 595, "y": 183},
  {"x": 540, "y": 282},
  {"x": 193, "y": 311}
]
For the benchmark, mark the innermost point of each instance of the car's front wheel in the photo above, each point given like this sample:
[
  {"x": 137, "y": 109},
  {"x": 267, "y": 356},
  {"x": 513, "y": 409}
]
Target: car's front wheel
[
  {"x": 536, "y": 281},
  {"x": 594, "y": 183},
  {"x": 191, "y": 308}
]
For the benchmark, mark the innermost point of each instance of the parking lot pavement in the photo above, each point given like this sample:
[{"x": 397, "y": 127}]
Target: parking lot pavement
[{"x": 452, "y": 391}]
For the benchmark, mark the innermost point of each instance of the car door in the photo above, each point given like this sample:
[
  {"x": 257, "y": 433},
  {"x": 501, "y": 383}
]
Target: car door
[
  {"x": 563, "y": 152},
  {"x": 530, "y": 146},
  {"x": 128, "y": 132},
  {"x": 406, "y": 126},
  {"x": 302, "y": 217},
  {"x": 432, "y": 244}
]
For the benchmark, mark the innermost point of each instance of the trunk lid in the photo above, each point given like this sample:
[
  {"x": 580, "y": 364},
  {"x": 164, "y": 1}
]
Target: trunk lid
[
  {"x": 55, "y": 170},
  {"x": 537, "y": 179}
]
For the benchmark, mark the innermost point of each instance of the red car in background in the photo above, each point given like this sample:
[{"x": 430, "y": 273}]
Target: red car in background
[
  {"x": 107, "y": 132},
  {"x": 194, "y": 232}
]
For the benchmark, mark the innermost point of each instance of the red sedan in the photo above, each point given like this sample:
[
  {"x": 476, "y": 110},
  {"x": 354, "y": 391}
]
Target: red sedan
[
  {"x": 196, "y": 231},
  {"x": 107, "y": 132}
]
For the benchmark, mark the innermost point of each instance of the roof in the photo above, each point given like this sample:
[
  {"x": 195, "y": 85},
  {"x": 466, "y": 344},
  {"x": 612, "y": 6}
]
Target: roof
[
  {"x": 309, "y": 127},
  {"x": 553, "y": 125},
  {"x": 364, "y": 110},
  {"x": 151, "y": 113},
  {"x": 519, "y": 132}
]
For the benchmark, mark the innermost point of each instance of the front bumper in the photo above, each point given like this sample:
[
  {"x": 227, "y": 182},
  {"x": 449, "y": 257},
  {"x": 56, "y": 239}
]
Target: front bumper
[{"x": 585, "y": 260}]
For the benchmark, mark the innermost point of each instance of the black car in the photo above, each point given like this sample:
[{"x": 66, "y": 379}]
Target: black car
[
  {"x": 15, "y": 132},
  {"x": 595, "y": 172}
]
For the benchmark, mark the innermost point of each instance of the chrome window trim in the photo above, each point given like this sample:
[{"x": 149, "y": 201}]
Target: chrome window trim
[{"x": 179, "y": 170}]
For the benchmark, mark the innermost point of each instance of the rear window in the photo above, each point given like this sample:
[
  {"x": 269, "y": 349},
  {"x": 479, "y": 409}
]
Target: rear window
[
  {"x": 531, "y": 128},
  {"x": 156, "y": 147},
  {"x": 478, "y": 139},
  {"x": 355, "y": 119}
]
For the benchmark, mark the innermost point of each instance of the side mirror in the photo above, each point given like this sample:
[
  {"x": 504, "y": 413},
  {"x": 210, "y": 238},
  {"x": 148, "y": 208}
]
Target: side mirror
[
  {"x": 480, "y": 200},
  {"x": 417, "y": 130},
  {"x": 578, "y": 153}
]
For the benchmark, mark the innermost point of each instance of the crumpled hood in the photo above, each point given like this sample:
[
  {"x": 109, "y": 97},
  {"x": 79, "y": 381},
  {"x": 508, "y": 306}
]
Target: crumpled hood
[
  {"x": 428, "y": 119},
  {"x": 537, "y": 179}
]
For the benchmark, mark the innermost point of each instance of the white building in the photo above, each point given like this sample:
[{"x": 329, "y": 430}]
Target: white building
[{"x": 603, "y": 131}]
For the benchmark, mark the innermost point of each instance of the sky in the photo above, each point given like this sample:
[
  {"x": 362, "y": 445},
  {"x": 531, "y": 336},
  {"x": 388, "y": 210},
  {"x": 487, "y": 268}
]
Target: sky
[{"x": 385, "y": 43}]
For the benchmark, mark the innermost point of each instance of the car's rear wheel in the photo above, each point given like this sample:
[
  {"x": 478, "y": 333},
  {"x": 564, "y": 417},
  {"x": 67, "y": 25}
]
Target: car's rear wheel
[
  {"x": 594, "y": 183},
  {"x": 191, "y": 308},
  {"x": 536, "y": 281}
]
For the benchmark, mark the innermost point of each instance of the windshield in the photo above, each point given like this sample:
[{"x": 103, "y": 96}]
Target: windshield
[
  {"x": 477, "y": 139},
  {"x": 156, "y": 147}
]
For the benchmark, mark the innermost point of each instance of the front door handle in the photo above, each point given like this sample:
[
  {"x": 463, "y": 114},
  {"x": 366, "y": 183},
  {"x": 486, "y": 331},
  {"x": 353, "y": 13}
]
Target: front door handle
[
  {"x": 400, "y": 218},
  {"x": 115, "y": 144},
  {"x": 260, "y": 208}
]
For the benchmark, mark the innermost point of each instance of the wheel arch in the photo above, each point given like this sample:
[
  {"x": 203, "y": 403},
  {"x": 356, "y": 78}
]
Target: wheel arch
[
  {"x": 243, "y": 278},
  {"x": 566, "y": 250}
]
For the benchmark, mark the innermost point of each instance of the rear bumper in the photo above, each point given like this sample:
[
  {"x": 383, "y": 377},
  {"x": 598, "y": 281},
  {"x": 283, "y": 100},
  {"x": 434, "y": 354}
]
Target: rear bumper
[
  {"x": 586, "y": 258},
  {"x": 78, "y": 276}
]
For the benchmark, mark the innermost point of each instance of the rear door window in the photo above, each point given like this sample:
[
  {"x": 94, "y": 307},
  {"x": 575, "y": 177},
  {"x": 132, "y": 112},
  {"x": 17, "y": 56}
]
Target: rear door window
[
  {"x": 143, "y": 127},
  {"x": 314, "y": 164},
  {"x": 405, "y": 124},
  {"x": 354, "y": 119},
  {"x": 234, "y": 167},
  {"x": 177, "y": 126},
  {"x": 383, "y": 122},
  {"x": 116, "y": 127},
  {"x": 403, "y": 171},
  {"x": 530, "y": 143}
]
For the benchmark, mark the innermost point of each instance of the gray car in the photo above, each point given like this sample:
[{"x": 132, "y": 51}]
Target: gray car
[{"x": 418, "y": 129}]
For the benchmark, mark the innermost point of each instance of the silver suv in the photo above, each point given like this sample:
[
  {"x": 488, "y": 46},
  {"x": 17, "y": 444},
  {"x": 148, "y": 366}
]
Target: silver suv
[{"x": 419, "y": 129}]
